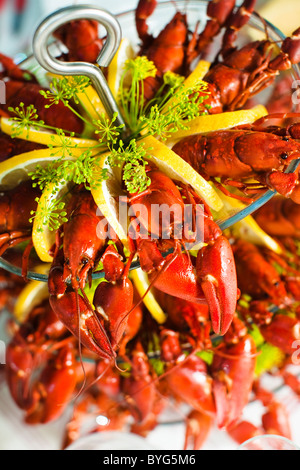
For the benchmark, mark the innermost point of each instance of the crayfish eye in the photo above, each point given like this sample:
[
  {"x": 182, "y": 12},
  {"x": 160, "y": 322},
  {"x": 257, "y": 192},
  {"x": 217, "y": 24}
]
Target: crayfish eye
[
  {"x": 85, "y": 261},
  {"x": 285, "y": 139},
  {"x": 276, "y": 284},
  {"x": 284, "y": 155}
]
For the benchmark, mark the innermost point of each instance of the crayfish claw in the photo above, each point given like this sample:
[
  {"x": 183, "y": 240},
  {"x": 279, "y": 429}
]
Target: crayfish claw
[{"x": 217, "y": 276}]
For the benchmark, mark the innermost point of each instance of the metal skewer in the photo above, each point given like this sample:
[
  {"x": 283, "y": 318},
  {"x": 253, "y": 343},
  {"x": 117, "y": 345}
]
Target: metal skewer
[{"x": 93, "y": 72}]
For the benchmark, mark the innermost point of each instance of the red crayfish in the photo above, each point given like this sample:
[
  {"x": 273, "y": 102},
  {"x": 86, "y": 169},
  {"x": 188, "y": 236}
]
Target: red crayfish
[
  {"x": 16, "y": 205},
  {"x": 175, "y": 48},
  {"x": 41, "y": 366},
  {"x": 84, "y": 243},
  {"x": 230, "y": 156},
  {"x": 81, "y": 37},
  {"x": 212, "y": 279}
]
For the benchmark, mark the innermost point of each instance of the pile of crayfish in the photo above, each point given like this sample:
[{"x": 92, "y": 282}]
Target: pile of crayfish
[{"x": 231, "y": 307}]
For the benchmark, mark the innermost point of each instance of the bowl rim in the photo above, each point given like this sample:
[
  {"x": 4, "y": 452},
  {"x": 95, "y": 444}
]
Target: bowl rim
[{"x": 265, "y": 437}]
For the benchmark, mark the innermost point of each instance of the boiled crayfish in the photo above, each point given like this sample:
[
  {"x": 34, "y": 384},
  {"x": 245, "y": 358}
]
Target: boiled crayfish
[
  {"x": 83, "y": 245},
  {"x": 212, "y": 279},
  {"x": 229, "y": 155},
  {"x": 41, "y": 366}
]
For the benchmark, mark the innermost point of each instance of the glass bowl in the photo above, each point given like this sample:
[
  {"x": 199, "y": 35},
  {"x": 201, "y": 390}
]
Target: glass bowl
[
  {"x": 268, "y": 442},
  {"x": 196, "y": 12}
]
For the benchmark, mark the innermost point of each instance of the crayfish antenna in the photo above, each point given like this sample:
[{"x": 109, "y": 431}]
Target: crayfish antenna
[
  {"x": 79, "y": 347},
  {"x": 85, "y": 389}
]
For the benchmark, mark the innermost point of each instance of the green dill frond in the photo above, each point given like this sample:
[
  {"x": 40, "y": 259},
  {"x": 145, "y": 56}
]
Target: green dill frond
[
  {"x": 60, "y": 90},
  {"x": 173, "y": 80},
  {"x": 106, "y": 130},
  {"x": 132, "y": 159},
  {"x": 140, "y": 68},
  {"x": 51, "y": 215},
  {"x": 25, "y": 119},
  {"x": 76, "y": 85},
  {"x": 43, "y": 175},
  {"x": 85, "y": 169},
  {"x": 183, "y": 105},
  {"x": 132, "y": 99},
  {"x": 62, "y": 144}
]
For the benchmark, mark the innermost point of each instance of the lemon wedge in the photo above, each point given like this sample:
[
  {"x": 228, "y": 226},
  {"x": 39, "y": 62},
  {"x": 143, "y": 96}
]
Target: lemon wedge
[
  {"x": 141, "y": 282},
  {"x": 116, "y": 67},
  {"x": 16, "y": 169},
  {"x": 89, "y": 99},
  {"x": 42, "y": 237},
  {"x": 248, "y": 229},
  {"x": 106, "y": 197},
  {"x": 214, "y": 122},
  {"x": 178, "y": 169},
  {"x": 43, "y": 137},
  {"x": 32, "y": 295},
  {"x": 198, "y": 73},
  {"x": 91, "y": 102}
]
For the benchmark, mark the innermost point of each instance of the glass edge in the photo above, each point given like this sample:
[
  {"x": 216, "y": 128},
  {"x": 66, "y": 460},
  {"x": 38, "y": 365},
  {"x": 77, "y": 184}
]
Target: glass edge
[{"x": 268, "y": 436}]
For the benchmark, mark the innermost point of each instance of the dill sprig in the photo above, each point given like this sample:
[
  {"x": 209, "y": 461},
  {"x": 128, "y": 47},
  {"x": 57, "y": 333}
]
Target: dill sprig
[
  {"x": 172, "y": 108},
  {"x": 132, "y": 159},
  {"x": 51, "y": 215},
  {"x": 25, "y": 119},
  {"x": 106, "y": 130},
  {"x": 132, "y": 98},
  {"x": 65, "y": 89},
  {"x": 182, "y": 106},
  {"x": 84, "y": 169}
]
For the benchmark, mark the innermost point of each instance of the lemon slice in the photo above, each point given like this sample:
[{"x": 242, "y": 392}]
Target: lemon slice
[
  {"x": 42, "y": 237},
  {"x": 116, "y": 67},
  {"x": 142, "y": 284},
  {"x": 43, "y": 137},
  {"x": 16, "y": 169},
  {"x": 107, "y": 196},
  {"x": 248, "y": 229},
  {"x": 214, "y": 122},
  {"x": 32, "y": 295},
  {"x": 91, "y": 102},
  {"x": 198, "y": 73},
  {"x": 178, "y": 169},
  {"x": 192, "y": 80}
]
